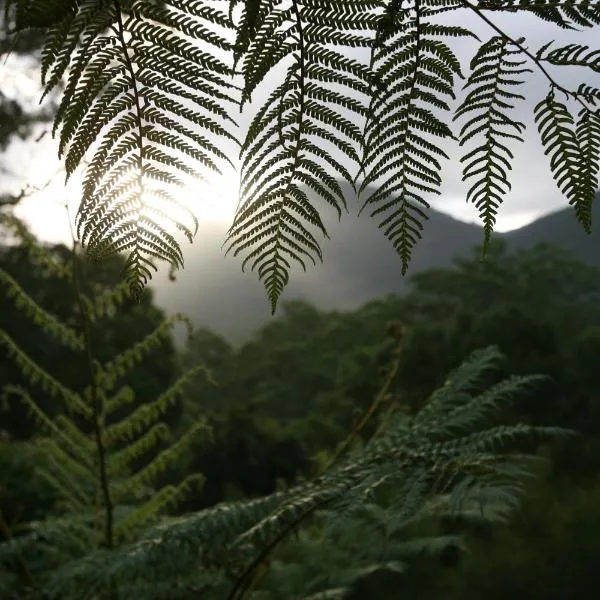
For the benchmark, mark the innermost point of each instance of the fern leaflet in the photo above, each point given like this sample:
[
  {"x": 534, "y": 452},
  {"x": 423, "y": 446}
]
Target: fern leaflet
[
  {"x": 495, "y": 72},
  {"x": 414, "y": 73},
  {"x": 283, "y": 155}
]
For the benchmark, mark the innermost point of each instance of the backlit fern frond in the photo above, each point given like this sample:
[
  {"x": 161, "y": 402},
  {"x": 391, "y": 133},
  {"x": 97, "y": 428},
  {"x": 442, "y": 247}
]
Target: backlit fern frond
[
  {"x": 148, "y": 412},
  {"x": 567, "y": 14},
  {"x": 38, "y": 13},
  {"x": 579, "y": 140},
  {"x": 574, "y": 151},
  {"x": 150, "y": 87},
  {"x": 495, "y": 73},
  {"x": 103, "y": 454},
  {"x": 414, "y": 74},
  {"x": 590, "y": 94},
  {"x": 41, "y": 378},
  {"x": 38, "y": 315},
  {"x": 121, "y": 364},
  {"x": 588, "y": 134},
  {"x": 38, "y": 254},
  {"x": 144, "y": 98},
  {"x": 287, "y": 151},
  {"x": 106, "y": 302}
]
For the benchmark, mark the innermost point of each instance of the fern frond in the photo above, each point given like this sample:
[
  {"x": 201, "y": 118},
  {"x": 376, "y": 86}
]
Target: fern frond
[
  {"x": 495, "y": 73},
  {"x": 120, "y": 460},
  {"x": 124, "y": 362},
  {"x": 44, "y": 422},
  {"x": 587, "y": 131},
  {"x": 560, "y": 139},
  {"x": 129, "y": 526},
  {"x": 590, "y": 94},
  {"x": 414, "y": 72},
  {"x": 39, "y": 316},
  {"x": 148, "y": 412},
  {"x": 106, "y": 302},
  {"x": 148, "y": 474},
  {"x": 570, "y": 55},
  {"x": 39, "y": 377},
  {"x": 567, "y": 14},
  {"x": 138, "y": 95},
  {"x": 68, "y": 476},
  {"x": 39, "y": 255},
  {"x": 283, "y": 156},
  {"x": 425, "y": 471}
]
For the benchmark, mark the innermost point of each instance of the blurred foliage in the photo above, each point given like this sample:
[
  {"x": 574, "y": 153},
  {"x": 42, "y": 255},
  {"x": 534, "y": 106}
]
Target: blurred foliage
[
  {"x": 130, "y": 323},
  {"x": 280, "y": 404}
]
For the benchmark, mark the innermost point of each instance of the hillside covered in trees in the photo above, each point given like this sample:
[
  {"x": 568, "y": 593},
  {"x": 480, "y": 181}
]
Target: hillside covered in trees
[{"x": 279, "y": 405}]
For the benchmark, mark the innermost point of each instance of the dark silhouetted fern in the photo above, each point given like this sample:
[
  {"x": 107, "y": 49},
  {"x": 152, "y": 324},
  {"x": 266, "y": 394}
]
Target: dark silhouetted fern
[
  {"x": 283, "y": 155},
  {"x": 357, "y": 90},
  {"x": 495, "y": 73},
  {"x": 414, "y": 74}
]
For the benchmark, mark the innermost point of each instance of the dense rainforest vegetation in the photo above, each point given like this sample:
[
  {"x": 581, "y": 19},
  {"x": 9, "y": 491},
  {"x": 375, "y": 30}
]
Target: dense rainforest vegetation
[
  {"x": 439, "y": 444},
  {"x": 275, "y": 409}
]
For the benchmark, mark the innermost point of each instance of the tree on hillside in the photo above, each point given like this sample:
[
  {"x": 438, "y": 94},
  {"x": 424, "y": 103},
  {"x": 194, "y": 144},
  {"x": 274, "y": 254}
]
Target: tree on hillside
[{"x": 360, "y": 90}]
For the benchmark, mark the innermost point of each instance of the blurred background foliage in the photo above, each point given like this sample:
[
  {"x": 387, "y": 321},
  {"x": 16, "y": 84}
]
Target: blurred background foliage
[{"x": 283, "y": 400}]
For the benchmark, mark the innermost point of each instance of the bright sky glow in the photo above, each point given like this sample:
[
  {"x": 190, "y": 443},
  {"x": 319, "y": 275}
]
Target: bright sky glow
[{"x": 534, "y": 192}]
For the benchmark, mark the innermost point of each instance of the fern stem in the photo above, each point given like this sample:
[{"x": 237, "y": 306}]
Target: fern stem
[
  {"x": 538, "y": 63},
  {"x": 241, "y": 588},
  {"x": 377, "y": 402},
  {"x": 97, "y": 407},
  {"x": 139, "y": 123},
  {"x": 297, "y": 138}
]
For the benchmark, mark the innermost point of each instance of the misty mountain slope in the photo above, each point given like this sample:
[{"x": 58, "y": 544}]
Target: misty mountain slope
[
  {"x": 359, "y": 264},
  {"x": 561, "y": 228}
]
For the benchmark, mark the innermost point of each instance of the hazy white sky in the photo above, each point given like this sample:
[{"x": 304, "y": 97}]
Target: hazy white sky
[{"x": 534, "y": 192}]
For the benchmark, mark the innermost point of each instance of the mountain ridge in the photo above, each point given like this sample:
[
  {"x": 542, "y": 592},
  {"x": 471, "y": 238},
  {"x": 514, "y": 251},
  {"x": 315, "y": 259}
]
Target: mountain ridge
[{"x": 360, "y": 264}]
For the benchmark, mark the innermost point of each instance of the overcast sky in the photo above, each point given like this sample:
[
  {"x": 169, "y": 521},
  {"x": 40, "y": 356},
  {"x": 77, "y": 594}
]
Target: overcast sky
[{"x": 534, "y": 192}]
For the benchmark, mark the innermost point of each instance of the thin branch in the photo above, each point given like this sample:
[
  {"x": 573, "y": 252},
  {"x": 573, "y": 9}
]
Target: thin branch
[{"x": 538, "y": 63}]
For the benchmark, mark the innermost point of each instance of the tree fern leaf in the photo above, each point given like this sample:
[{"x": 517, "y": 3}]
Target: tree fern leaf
[
  {"x": 571, "y": 54},
  {"x": 589, "y": 93},
  {"x": 91, "y": 19},
  {"x": 181, "y": 21},
  {"x": 39, "y": 255},
  {"x": 125, "y": 361},
  {"x": 130, "y": 63},
  {"x": 40, "y": 317},
  {"x": 37, "y": 376},
  {"x": 47, "y": 424},
  {"x": 150, "y": 412},
  {"x": 122, "y": 460},
  {"x": 588, "y": 135},
  {"x": 495, "y": 74},
  {"x": 285, "y": 132},
  {"x": 556, "y": 127},
  {"x": 164, "y": 460},
  {"x": 113, "y": 101},
  {"x": 412, "y": 71}
]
